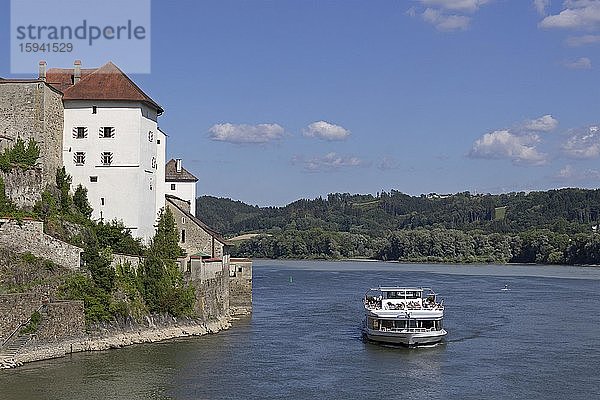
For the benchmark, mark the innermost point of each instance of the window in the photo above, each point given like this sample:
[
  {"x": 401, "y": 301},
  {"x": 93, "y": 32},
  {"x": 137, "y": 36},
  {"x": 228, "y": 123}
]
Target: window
[
  {"x": 157, "y": 141},
  {"x": 154, "y": 165},
  {"x": 183, "y": 236},
  {"x": 101, "y": 201},
  {"x": 106, "y": 158},
  {"x": 240, "y": 269},
  {"x": 80, "y": 132},
  {"x": 93, "y": 179},
  {"x": 107, "y": 132},
  {"x": 150, "y": 136},
  {"x": 79, "y": 158},
  {"x": 94, "y": 110},
  {"x": 183, "y": 220},
  {"x": 172, "y": 186}
]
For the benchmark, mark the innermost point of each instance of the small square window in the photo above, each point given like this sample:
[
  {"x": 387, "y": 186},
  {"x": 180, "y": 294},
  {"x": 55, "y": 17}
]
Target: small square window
[
  {"x": 172, "y": 186},
  {"x": 240, "y": 269},
  {"x": 94, "y": 110},
  {"x": 93, "y": 179},
  {"x": 79, "y": 158},
  {"x": 107, "y": 132},
  {"x": 157, "y": 141},
  {"x": 106, "y": 158},
  {"x": 80, "y": 132},
  {"x": 101, "y": 201}
]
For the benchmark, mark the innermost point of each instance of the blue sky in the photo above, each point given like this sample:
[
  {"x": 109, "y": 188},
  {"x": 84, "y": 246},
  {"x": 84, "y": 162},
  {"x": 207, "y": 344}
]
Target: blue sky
[{"x": 271, "y": 101}]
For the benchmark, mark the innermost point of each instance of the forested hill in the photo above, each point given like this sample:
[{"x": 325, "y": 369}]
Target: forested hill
[
  {"x": 562, "y": 211},
  {"x": 554, "y": 226}
]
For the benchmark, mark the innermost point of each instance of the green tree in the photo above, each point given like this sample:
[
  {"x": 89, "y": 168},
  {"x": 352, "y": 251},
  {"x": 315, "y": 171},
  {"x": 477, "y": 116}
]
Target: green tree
[
  {"x": 80, "y": 201},
  {"x": 162, "y": 283},
  {"x": 63, "y": 183}
]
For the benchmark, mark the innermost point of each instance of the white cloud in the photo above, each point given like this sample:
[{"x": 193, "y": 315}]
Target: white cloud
[
  {"x": 447, "y": 15},
  {"x": 242, "y": 133},
  {"x": 388, "y": 163},
  {"x": 457, "y": 5},
  {"x": 541, "y": 6},
  {"x": 503, "y": 144},
  {"x": 444, "y": 22},
  {"x": 329, "y": 162},
  {"x": 583, "y": 144},
  {"x": 577, "y": 41},
  {"x": 545, "y": 123},
  {"x": 581, "y": 63},
  {"x": 578, "y": 14},
  {"x": 327, "y": 131},
  {"x": 568, "y": 173}
]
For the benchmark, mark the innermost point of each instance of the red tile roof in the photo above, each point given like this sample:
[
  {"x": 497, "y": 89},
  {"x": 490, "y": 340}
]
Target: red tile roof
[{"x": 105, "y": 83}]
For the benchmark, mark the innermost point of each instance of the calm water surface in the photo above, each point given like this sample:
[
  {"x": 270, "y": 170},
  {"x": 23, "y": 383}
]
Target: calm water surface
[{"x": 540, "y": 340}]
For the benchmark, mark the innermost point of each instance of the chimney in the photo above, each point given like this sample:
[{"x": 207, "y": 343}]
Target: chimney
[
  {"x": 42, "y": 74},
  {"x": 76, "y": 71},
  {"x": 178, "y": 164}
]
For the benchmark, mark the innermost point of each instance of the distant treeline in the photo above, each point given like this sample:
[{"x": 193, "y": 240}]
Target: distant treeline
[{"x": 543, "y": 227}]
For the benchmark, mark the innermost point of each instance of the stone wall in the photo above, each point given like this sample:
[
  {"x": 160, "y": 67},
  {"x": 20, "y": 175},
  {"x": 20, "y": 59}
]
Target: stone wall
[
  {"x": 23, "y": 187},
  {"x": 204, "y": 270},
  {"x": 122, "y": 259},
  {"x": 212, "y": 297},
  {"x": 61, "y": 320},
  {"x": 16, "y": 309},
  {"x": 29, "y": 236},
  {"x": 240, "y": 286},
  {"x": 33, "y": 109}
]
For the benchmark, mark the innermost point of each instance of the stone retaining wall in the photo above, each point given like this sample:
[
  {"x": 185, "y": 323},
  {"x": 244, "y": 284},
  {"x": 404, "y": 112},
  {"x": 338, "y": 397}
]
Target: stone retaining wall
[
  {"x": 212, "y": 298},
  {"x": 122, "y": 259},
  {"x": 240, "y": 286},
  {"x": 61, "y": 320},
  {"x": 16, "y": 309},
  {"x": 29, "y": 236},
  {"x": 23, "y": 187}
]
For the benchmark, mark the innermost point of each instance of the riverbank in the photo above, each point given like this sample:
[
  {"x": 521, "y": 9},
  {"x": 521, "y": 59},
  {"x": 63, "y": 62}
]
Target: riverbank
[{"x": 106, "y": 340}]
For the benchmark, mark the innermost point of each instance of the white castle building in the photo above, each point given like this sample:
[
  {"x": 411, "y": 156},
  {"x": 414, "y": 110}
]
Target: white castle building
[
  {"x": 112, "y": 144},
  {"x": 181, "y": 183}
]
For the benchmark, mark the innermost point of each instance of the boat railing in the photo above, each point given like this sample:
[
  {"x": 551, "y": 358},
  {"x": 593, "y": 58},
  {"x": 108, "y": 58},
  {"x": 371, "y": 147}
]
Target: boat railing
[{"x": 408, "y": 330}]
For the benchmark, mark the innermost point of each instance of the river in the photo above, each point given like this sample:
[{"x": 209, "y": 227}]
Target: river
[{"x": 539, "y": 340}]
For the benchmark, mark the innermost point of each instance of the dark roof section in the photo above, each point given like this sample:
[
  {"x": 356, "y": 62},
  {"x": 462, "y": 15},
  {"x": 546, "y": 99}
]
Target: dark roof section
[
  {"x": 62, "y": 78},
  {"x": 105, "y": 83},
  {"x": 171, "y": 174},
  {"x": 201, "y": 224}
]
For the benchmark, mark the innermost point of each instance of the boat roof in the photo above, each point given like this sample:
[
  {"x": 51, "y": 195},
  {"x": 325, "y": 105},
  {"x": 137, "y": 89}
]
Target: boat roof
[{"x": 399, "y": 289}]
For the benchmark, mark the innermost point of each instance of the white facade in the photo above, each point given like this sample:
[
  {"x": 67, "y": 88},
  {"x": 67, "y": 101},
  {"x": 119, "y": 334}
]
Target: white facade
[
  {"x": 185, "y": 191},
  {"x": 161, "y": 151},
  {"x": 126, "y": 183}
]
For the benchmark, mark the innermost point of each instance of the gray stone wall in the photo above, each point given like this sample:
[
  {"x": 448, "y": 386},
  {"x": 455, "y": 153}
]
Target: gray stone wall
[
  {"x": 122, "y": 259},
  {"x": 29, "y": 236},
  {"x": 240, "y": 286},
  {"x": 61, "y": 320},
  {"x": 24, "y": 187},
  {"x": 33, "y": 110},
  {"x": 16, "y": 309},
  {"x": 196, "y": 238},
  {"x": 212, "y": 296}
]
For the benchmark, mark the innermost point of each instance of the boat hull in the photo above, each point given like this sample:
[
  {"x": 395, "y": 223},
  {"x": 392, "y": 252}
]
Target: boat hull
[{"x": 405, "y": 338}]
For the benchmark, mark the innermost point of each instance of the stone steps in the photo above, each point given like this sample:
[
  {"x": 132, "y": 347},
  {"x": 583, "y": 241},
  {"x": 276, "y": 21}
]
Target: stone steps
[{"x": 12, "y": 348}]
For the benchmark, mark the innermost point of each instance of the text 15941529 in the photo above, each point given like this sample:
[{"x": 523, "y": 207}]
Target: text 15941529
[{"x": 35, "y": 47}]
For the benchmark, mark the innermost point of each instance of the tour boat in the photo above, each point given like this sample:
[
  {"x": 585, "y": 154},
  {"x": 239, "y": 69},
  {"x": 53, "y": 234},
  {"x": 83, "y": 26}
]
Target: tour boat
[{"x": 403, "y": 315}]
